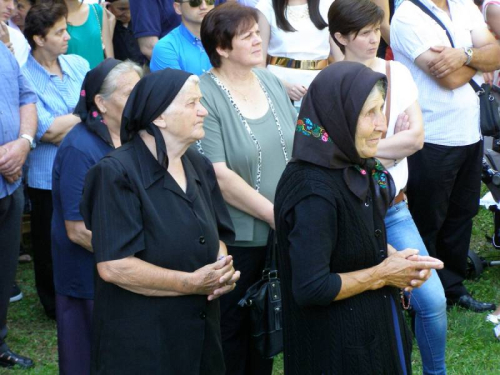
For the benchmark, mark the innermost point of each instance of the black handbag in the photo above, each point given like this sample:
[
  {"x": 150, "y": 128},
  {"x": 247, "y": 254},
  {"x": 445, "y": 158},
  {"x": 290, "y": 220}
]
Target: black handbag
[
  {"x": 264, "y": 301},
  {"x": 489, "y": 116}
]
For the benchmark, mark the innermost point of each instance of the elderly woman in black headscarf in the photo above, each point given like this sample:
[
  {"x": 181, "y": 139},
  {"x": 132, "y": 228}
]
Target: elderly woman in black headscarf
[
  {"x": 158, "y": 223},
  {"x": 102, "y": 99},
  {"x": 341, "y": 281}
]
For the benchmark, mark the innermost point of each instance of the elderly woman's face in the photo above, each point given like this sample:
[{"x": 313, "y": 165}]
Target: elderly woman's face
[
  {"x": 113, "y": 107},
  {"x": 247, "y": 47},
  {"x": 183, "y": 119},
  {"x": 56, "y": 40},
  {"x": 371, "y": 125}
]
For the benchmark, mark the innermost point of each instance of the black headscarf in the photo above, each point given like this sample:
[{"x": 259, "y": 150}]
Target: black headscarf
[
  {"x": 148, "y": 100},
  {"x": 326, "y": 129},
  {"x": 86, "y": 108}
]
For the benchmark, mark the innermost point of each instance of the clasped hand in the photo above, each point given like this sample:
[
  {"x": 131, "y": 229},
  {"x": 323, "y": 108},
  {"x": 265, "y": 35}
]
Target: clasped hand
[
  {"x": 406, "y": 269},
  {"x": 217, "y": 278},
  {"x": 12, "y": 158}
]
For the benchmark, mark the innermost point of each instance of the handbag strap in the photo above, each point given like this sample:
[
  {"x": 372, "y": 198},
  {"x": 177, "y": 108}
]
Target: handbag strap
[
  {"x": 426, "y": 10},
  {"x": 271, "y": 255},
  {"x": 388, "y": 95}
]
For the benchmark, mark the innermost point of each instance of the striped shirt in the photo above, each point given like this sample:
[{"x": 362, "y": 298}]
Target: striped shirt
[
  {"x": 56, "y": 98},
  {"x": 451, "y": 117},
  {"x": 15, "y": 92}
]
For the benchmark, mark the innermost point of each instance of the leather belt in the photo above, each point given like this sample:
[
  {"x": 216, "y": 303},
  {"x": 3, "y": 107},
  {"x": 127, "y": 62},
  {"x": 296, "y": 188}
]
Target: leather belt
[
  {"x": 285, "y": 62},
  {"x": 399, "y": 198}
]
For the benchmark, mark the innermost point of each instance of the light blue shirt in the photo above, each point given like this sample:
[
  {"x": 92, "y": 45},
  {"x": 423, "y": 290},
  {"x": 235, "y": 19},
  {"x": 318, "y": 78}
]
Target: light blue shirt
[
  {"x": 15, "y": 92},
  {"x": 56, "y": 97},
  {"x": 180, "y": 49}
]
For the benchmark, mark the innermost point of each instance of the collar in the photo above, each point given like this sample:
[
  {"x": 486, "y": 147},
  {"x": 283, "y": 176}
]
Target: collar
[
  {"x": 152, "y": 171},
  {"x": 42, "y": 76},
  {"x": 188, "y": 35},
  {"x": 432, "y": 6}
]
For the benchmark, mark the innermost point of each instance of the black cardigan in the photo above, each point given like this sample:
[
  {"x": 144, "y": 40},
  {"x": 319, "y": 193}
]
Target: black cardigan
[{"x": 354, "y": 336}]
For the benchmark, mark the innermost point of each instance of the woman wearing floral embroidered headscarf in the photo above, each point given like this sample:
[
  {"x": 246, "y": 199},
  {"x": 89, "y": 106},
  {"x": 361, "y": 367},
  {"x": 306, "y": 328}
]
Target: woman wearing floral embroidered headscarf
[
  {"x": 340, "y": 280},
  {"x": 102, "y": 98}
]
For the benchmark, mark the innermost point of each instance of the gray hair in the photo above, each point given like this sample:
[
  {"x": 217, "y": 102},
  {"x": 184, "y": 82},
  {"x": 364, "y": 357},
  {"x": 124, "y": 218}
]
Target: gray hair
[{"x": 109, "y": 85}]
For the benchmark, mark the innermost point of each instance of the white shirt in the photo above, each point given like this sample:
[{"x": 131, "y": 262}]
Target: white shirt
[
  {"x": 21, "y": 46},
  {"x": 404, "y": 93},
  {"x": 451, "y": 117},
  {"x": 306, "y": 43}
]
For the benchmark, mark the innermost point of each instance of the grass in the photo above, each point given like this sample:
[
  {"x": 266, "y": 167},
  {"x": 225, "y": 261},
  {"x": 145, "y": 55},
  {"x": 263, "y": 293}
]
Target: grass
[{"x": 471, "y": 346}]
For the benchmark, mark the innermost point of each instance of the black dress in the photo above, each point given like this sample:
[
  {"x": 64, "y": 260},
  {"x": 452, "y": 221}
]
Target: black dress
[
  {"x": 134, "y": 207},
  {"x": 323, "y": 229}
]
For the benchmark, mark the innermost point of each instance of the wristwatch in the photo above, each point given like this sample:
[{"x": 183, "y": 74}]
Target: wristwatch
[
  {"x": 468, "y": 53},
  {"x": 30, "y": 139}
]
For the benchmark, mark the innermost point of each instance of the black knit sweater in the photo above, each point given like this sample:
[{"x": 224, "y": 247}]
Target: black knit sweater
[{"x": 330, "y": 234}]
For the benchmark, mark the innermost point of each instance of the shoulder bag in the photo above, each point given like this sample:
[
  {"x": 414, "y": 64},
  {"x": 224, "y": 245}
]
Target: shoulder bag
[{"x": 264, "y": 301}]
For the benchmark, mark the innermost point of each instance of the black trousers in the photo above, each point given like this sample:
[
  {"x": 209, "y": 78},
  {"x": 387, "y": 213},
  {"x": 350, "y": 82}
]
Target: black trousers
[
  {"x": 41, "y": 217},
  {"x": 240, "y": 356},
  {"x": 11, "y": 209},
  {"x": 443, "y": 196}
]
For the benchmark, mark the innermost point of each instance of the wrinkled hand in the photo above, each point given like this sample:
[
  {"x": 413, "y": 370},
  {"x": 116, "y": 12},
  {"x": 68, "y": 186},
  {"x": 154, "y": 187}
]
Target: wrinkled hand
[
  {"x": 214, "y": 277},
  {"x": 13, "y": 177},
  {"x": 402, "y": 123},
  {"x": 13, "y": 159},
  {"x": 406, "y": 269},
  {"x": 228, "y": 283},
  {"x": 448, "y": 60},
  {"x": 295, "y": 92}
]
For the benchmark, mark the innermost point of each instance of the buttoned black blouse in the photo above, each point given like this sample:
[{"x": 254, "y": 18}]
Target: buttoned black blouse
[{"x": 133, "y": 206}]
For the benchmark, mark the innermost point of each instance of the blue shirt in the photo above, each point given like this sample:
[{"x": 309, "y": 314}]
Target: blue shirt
[
  {"x": 153, "y": 17},
  {"x": 73, "y": 265},
  {"x": 56, "y": 97},
  {"x": 180, "y": 50},
  {"x": 15, "y": 92}
]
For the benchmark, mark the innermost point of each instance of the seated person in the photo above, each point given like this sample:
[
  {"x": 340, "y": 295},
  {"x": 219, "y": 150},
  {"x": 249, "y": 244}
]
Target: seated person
[
  {"x": 182, "y": 48},
  {"x": 124, "y": 43}
]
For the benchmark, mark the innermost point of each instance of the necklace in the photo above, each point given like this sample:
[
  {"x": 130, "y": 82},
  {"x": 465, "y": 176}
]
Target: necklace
[
  {"x": 231, "y": 87},
  {"x": 249, "y": 130}
]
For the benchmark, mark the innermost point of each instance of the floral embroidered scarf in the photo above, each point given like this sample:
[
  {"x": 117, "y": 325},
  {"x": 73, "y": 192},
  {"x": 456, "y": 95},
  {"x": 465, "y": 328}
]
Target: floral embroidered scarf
[{"x": 326, "y": 128}]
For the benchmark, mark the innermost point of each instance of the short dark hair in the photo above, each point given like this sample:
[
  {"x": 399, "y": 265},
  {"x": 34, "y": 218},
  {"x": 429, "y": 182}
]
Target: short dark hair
[
  {"x": 41, "y": 18},
  {"x": 222, "y": 24},
  {"x": 350, "y": 16}
]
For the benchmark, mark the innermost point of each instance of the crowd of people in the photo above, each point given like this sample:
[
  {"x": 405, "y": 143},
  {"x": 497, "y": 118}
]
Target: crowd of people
[{"x": 160, "y": 142}]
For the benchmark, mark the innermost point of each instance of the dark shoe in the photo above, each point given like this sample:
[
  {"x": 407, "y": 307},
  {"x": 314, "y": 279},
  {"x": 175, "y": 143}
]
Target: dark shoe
[
  {"x": 16, "y": 294},
  {"x": 467, "y": 302},
  {"x": 9, "y": 359}
]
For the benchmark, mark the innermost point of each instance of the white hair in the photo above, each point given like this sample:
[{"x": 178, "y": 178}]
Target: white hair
[{"x": 109, "y": 85}]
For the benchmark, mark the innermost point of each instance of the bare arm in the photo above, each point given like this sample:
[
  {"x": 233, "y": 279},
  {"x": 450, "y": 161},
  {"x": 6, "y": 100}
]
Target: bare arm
[
  {"x": 404, "y": 269},
  {"x": 107, "y": 32},
  {"x": 385, "y": 27},
  {"x": 493, "y": 17},
  {"x": 406, "y": 142},
  {"x": 239, "y": 194},
  {"x": 146, "y": 45},
  {"x": 452, "y": 80},
  {"x": 59, "y": 128},
  {"x": 79, "y": 234},
  {"x": 144, "y": 278}
]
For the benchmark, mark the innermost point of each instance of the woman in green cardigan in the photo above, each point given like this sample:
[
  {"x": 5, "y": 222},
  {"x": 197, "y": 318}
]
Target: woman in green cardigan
[{"x": 249, "y": 136}]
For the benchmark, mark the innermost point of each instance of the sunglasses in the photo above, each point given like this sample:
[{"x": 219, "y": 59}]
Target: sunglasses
[{"x": 196, "y": 3}]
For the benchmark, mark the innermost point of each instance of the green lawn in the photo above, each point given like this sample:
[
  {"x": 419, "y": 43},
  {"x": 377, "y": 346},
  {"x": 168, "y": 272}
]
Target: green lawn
[{"x": 472, "y": 348}]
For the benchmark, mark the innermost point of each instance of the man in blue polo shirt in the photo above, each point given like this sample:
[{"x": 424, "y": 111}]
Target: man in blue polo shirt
[{"x": 182, "y": 48}]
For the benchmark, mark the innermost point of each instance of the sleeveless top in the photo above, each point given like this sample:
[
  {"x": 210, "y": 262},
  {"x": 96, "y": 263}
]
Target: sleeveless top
[{"x": 86, "y": 39}]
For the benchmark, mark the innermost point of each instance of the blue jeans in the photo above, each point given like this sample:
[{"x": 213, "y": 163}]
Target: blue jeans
[{"x": 428, "y": 301}]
